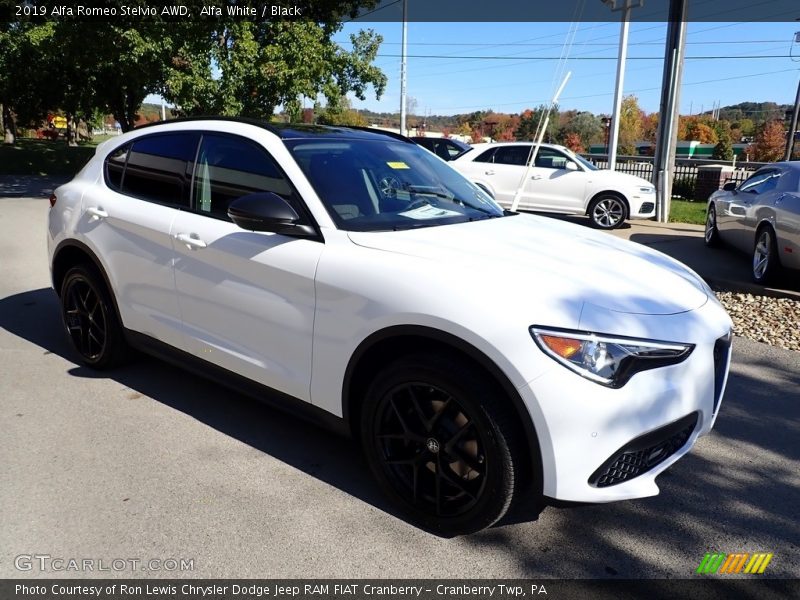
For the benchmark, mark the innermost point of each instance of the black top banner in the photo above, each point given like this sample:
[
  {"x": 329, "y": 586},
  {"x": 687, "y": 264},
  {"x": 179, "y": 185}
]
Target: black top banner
[{"x": 415, "y": 10}]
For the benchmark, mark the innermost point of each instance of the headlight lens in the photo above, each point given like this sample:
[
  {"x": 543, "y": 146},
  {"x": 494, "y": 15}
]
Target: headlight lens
[
  {"x": 608, "y": 360},
  {"x": 647, "y": 190}
]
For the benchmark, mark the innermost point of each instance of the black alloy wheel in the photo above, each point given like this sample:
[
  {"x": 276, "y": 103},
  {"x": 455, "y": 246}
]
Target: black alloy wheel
[
  {"x": 90, "y": 319},
  {"x": 442, "y": 443}
]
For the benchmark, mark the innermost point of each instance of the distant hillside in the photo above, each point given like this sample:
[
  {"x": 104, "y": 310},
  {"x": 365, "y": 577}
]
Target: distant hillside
[{"x": 756, "y": 111}]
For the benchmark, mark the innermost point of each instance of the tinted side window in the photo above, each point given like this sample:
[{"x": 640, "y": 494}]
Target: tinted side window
[
  {"x": 486, "y": 156},
  {"x": 551, "y": 159},
  {"x": 115, "y": 167},
  {"x": 159, "y": 168},
  {"x": 230, "y": 167},
  {"x": 761, "y": 182},
  {"x": 512, "y": 155}
]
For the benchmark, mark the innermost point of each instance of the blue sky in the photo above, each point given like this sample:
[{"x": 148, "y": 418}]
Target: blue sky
[{"x": 461, "y": 82}]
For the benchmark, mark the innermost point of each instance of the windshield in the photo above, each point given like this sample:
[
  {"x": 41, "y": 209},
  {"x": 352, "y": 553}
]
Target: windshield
[{"x": 376, "y": 185}]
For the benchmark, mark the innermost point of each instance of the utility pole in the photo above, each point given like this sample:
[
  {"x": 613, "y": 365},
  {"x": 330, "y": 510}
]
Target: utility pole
[
  {"x": 403, "y": 53},
  {"x": 792, "y": 126},
  {"x": 664, "y": 163},
  {"x": 622, "y": 56}
]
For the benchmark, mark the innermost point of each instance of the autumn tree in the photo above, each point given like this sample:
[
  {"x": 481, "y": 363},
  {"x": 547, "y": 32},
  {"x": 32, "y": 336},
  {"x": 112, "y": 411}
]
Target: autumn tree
[
  {"x": 650, "y": 127},
  {"x": 582, "y": 128},
  {"x": 701, "y": 132},
  {"x": 631, "y": 125},
  {"x": 770, "y": 142},
  {"x": 573, "y": 142}
]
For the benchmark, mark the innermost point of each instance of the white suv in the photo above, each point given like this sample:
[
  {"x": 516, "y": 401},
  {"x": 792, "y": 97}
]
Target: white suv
[
  {"x": 356, "y": 278},
  {"x": 559, "y": 181}
]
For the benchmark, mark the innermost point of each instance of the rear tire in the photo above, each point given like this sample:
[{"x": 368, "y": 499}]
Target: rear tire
[
  {"x": 443, "y": 443},
  {"x": 765, "y": 256},
  {"x": 711, "y": 236},
  {"x": 90, "y": 319}
]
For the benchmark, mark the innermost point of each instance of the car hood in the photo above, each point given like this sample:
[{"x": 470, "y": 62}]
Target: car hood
[
  {"x": 620, "y": 179},
  {"x": 542, "y": 258}
]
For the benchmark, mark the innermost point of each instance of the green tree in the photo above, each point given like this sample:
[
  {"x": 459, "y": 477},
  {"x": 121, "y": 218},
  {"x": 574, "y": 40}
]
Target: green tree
[
  {"x": 222, "y": 65},
  {"x": 266, "y": 64},
  {"x": 586, "y": 126},
  {"x": 724, "y": 149},
  {"x": 532, "y": 119}
]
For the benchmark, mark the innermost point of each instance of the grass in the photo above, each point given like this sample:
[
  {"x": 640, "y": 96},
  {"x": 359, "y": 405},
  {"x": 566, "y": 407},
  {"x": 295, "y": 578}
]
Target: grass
[
  {"x": 45, "y": 157},
  {"x": 685, "y": 211}
]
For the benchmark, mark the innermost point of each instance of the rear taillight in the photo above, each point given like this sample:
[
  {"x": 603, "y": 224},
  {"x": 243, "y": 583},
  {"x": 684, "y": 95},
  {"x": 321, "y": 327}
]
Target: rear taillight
[{"x": 53, "y": 200}]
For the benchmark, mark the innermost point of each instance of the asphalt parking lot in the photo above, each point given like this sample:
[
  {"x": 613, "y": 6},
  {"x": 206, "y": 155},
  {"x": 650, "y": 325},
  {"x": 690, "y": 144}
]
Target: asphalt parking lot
[{"x": 149, "y": 462}]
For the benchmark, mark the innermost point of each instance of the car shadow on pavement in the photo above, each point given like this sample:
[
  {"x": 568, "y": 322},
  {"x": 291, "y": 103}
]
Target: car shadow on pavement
[
  {"x": 724, "y": 268},
  {"x": 28, "y": 186},
  {"x": 736, "y": 491},
  {"x": 336, "y": 460}
]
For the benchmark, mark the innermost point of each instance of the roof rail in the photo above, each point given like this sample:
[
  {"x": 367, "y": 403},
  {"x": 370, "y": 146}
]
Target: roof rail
[{"x": 263, "y": 123}]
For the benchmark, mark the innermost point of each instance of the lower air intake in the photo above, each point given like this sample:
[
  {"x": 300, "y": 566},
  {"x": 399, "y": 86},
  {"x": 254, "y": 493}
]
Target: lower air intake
[{"x": 644, "y": 453}]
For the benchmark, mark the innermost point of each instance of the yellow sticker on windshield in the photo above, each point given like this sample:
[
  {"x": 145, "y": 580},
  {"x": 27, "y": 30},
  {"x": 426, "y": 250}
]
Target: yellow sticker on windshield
[{"x": 398, "y": 165}]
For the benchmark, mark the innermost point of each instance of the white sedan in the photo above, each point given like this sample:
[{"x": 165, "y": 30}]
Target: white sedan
[
  {"x": 355, "y": 278},
  {"x": 559, "y": 181}
]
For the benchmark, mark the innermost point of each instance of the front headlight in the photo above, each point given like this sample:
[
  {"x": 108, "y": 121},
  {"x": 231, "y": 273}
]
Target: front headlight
[
  {"x": 607, "y": 360},
  {"x": 647, "y": 190}
]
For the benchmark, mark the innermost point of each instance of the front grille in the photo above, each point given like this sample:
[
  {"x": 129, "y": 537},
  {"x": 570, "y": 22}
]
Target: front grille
[
  {"x": 643, "y": 453},
  {"x": 722, "y": 351},
  {"x": 647, "y": 207}
]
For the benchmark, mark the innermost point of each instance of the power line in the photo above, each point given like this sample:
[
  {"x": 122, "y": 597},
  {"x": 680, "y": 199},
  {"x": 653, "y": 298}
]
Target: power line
[
  {"x": 530, "y": 102},
  {"x": 525, "y": 58}
]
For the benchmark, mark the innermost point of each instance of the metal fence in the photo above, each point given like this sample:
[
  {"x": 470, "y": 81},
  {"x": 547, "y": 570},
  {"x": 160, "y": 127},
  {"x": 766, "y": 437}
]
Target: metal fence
[{"x": 683, "y": 184}]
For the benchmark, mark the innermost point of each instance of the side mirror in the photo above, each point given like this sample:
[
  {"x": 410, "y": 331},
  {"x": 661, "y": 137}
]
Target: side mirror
[
  {"x": 729, "y": 187},
  {"x": 266, "y": 211},
  {"x": 571, "y": 166}
]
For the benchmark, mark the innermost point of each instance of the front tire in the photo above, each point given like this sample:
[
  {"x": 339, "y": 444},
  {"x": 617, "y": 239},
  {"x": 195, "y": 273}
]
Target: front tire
[
  {"x": 765, "y": 256},
  {"x": 608, "y": 212},
  {"x": 442, "y": 443},
  {"x": 90, "y": 320},
  {"x": 711, "y": 236}
]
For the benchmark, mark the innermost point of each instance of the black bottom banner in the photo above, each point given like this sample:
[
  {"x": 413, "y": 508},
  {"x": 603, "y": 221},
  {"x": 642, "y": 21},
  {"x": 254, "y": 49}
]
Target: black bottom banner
[{"x": 398, "y": 589}]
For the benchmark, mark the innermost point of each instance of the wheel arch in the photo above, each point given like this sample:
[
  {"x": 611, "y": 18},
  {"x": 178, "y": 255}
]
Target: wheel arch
[
  {"x": 73, "y": 252},
  {"x": 614, "y": 193},
  {"x": 391, "y": 343}
]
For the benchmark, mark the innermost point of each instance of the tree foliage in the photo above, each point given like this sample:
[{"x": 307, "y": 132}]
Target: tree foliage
[
  {"x": 723, "y": 150},
  {"x": 770, "y": 142},
  {"x": 531, "y": 120},
  {"x": 631, "y": 125},
  {"x": 223, "y": 65},
  {"x": 582, "y": 129}
]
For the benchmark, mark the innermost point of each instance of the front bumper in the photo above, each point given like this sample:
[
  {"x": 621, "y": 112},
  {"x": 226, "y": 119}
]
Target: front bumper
[
  {"x": 642, "y": 206},
  {"x": 600, "y": 444}
]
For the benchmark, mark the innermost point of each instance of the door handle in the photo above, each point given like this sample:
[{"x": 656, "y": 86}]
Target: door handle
[
  {"x": 192, "y": 240},
  {"x": 97, "y": 212},
  {"x": 488, "y": 172},
  {"x": 536, "y": 176}
]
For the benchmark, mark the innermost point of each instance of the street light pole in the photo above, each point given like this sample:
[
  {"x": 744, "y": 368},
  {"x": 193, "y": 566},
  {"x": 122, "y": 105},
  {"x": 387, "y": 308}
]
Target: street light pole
[
  {"x": 792, "y": 126},
  {"x": 403, "y": 52}
]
